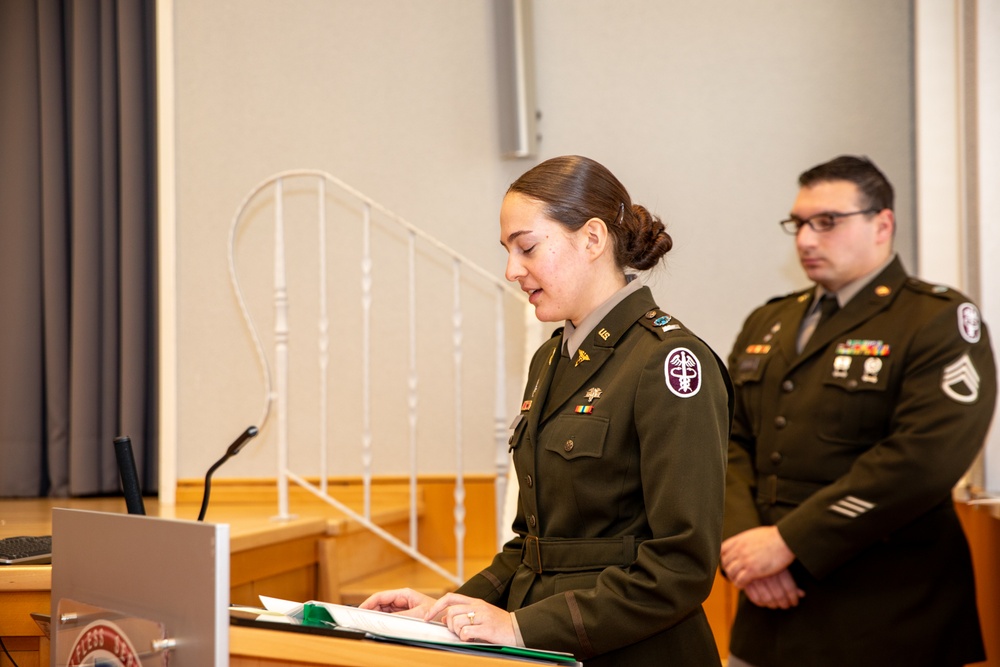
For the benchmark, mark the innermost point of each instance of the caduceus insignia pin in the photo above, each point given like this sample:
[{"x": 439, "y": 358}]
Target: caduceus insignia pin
[{"x": 581, "y": 357}]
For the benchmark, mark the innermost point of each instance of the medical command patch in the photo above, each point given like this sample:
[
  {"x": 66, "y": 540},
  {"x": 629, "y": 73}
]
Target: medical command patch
[
  {"x": 683, "y": 372},
  {"x": 969, "y": 322}
]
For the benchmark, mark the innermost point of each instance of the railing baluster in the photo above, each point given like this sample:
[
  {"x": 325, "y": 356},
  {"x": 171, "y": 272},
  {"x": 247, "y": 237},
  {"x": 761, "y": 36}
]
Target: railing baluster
[
  {"x": 412, "y": 385},
  {"x": 281, "y": 345},
  {"x": 366, "y": 382},
  {"x": 324, "y": 340},
  {"x": 500, "y": 417},
  {"x": 459, "y": 465}
]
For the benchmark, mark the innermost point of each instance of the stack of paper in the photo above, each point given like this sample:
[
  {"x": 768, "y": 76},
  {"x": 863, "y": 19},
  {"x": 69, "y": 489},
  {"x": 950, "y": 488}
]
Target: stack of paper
[{"x": 409, "y": 630}]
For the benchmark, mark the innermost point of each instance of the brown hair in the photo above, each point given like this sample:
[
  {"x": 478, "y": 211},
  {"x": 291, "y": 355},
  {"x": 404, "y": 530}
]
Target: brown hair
[
  {"x": 575, "y": 189},
  {"x": 858, "y": 170}
]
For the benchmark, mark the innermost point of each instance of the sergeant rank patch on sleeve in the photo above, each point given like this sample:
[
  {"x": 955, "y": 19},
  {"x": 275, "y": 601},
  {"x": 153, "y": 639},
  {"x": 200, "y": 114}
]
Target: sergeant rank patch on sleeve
[{"x": 960, "y": 380}]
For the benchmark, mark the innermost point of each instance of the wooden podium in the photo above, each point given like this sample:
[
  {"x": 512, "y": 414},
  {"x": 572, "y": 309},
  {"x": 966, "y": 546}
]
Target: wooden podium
[{"x": 252, "y": 647}]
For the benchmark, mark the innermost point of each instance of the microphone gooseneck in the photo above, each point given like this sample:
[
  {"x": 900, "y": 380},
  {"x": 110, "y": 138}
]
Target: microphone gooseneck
[
  {"x": 232, "y": 451},
  {"x": 129, "y": 475}
]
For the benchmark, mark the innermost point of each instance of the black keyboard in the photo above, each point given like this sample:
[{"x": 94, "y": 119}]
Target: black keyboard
[{"x": 25, "y": 550}]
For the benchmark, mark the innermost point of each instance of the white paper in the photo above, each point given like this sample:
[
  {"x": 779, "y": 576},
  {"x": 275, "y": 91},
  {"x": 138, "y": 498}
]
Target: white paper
[
  {"x": 286, "y": 607},
  {"x": 379, "y": 623},
  {"x": 389, "y": 625}
]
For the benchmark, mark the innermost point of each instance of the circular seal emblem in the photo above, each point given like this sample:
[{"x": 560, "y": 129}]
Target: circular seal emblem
[
  {"x": 969, "y": 323},
  {"x": 103, "y": 643},
  {"x": 682, "y": 371}
]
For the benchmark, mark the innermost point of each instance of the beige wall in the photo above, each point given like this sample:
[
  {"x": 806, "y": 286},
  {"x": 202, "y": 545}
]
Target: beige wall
[{"x": 707, "y": 111}]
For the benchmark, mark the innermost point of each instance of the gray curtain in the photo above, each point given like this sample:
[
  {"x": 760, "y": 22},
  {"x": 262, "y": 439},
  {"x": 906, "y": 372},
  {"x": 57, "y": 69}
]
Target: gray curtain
[{"x": 77, "y": 234}]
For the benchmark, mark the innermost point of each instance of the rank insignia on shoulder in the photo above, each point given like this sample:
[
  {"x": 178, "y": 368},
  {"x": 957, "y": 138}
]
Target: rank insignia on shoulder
[
  {"x": 526, "y": 406},
  {"x": 683, "y": 372},
  {"x": 758, "y": 349},
  {"x": 860, "y": 347},
  {"x": 583, "y": 409},
  {"x": 969, "y": 322},
  {"x": 960, "y": 380}
]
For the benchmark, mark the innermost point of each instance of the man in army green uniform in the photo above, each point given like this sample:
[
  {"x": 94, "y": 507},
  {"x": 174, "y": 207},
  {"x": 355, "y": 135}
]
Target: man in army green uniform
[{"x": 855, "y": 416}]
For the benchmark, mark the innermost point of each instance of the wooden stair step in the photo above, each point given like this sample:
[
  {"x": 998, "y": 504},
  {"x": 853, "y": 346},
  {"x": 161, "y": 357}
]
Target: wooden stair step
[{"x": 408, "y": 575}]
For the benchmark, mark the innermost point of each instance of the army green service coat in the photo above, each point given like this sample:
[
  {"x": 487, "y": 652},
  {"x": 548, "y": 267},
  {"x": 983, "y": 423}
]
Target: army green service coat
[
  {"x": 621, "y": 469},
  {"x": 852, "y": 448}
]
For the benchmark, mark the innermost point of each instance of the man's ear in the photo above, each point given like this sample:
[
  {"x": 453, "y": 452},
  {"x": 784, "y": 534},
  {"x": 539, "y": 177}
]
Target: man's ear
[{"x": 885, "y": 222}]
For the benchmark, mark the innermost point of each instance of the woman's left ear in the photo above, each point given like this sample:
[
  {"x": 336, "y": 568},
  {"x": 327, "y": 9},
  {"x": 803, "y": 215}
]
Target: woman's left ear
[{"x": 596, "y": 232}]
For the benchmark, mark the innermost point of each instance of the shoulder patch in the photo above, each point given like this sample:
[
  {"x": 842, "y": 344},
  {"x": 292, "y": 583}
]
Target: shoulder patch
[
  {"x": 682, "y": 371},
  {"x": 969, "y": 322}
]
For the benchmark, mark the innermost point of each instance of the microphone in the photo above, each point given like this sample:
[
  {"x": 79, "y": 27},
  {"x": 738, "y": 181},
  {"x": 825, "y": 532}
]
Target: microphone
[
  {"x": 233, "y": 450},
  {"x": 129, "y": 476}
]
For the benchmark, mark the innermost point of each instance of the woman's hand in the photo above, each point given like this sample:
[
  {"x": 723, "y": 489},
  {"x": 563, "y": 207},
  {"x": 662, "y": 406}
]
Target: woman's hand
[
  {"x": 405, "y": 601},
  {"x": 474, "y": 620}
]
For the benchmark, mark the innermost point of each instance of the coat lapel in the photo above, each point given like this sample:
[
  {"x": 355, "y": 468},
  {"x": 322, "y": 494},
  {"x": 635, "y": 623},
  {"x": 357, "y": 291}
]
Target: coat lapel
[
  {"x": 597, "y": 349},
  {"x": 874, "y": 298},
  {"x": 787, "y": 337},
  {"x": 539, "y": 398},
  {"x": 575, "y": 375}
]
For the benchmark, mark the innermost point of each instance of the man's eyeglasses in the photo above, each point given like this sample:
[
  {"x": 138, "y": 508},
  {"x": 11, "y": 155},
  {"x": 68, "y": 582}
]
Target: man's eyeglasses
[{"x": 821, "y": 222}]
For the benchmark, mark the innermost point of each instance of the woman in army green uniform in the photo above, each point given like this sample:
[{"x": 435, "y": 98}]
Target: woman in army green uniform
[{"x": 619, "y": 446}]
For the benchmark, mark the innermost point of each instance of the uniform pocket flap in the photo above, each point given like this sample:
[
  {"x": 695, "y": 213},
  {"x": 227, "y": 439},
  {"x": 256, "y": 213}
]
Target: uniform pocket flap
[{"x": 574, "y": 436}]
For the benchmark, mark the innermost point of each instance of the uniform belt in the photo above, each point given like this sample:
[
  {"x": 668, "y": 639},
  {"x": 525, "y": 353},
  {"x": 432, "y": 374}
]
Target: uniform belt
[
  {"x": 563, "y": 554},
  {"x": 772, "y": 489}
]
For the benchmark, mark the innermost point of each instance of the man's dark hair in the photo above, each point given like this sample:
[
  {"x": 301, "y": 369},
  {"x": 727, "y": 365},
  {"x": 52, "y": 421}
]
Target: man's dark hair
[{"x": 858, "y": 170}]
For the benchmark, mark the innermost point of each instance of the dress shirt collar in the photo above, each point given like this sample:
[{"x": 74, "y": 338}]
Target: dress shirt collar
[
  {"x": 574, "y": 336},
  {"x": 851, "y": 289}
]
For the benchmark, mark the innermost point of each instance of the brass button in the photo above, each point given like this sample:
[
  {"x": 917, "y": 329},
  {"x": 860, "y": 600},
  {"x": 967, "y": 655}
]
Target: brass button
[
  {"x": 780, "y": 422},
  {"x": 568, "y": 446},
  {"x": 532, "y": 521},
  {"x": 775, "y": 457},
  {"x": 651, "y": 314},
  {"x": 528, "y": 481},
  {"x": 787, "y": 385}
]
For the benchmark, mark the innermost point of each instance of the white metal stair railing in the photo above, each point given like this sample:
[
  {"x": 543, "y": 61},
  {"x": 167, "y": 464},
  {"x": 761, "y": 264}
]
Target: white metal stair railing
[{"x": 461, "y": 268}]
